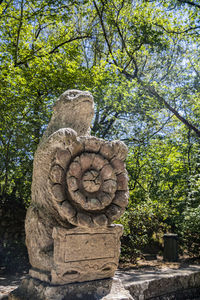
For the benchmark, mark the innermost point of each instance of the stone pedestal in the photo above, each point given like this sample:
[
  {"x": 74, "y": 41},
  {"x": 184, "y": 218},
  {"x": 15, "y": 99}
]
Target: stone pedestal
[
  {"x": 81, "y": 255},
  {"x": 105, "y": 289}
]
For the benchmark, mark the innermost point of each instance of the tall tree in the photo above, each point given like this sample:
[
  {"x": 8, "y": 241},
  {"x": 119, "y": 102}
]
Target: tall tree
[
  {"x": 40, "y": 58},
  {"x": 150, "y": 44}
]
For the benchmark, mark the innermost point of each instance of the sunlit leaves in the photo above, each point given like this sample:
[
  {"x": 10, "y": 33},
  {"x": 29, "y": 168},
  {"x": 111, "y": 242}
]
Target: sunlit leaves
[{"x": 40, "y": 58}]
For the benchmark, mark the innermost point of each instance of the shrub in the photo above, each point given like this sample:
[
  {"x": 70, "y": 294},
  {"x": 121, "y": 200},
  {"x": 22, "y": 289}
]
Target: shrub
[
  {"x": 190, "y": 229},
  {"x": 144, "y": 224}
]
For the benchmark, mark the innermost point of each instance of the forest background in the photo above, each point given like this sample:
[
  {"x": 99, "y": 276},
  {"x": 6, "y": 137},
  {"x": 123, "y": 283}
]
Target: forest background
[{"x": 140, "y": 60}]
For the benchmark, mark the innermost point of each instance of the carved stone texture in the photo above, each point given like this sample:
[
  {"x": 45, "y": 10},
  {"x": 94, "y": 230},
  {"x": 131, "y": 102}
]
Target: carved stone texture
[
  {"x": 96, "y": 186},
  {"x": 106, "y": 289},
  {"x": 78, "y": 180},
  {"x": 73, "y": 109},
  {"x": 82, "y": 255}
]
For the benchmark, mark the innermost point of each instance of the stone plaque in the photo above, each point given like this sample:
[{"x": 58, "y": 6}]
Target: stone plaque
[
  {"x": 80, "y": 255},
  {"x": 88, "y": 246}
]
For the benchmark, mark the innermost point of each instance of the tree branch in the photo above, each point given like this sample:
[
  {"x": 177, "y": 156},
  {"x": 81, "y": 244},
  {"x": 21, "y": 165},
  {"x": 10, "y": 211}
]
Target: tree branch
[
  {"x": 163, "y": 125},
  {"x": 7, "y": 6},
  {"x": 127, "y": 51},
  {"x": 109, "y": 45},
  {"x": 190, "y": 3},
  {"x": 196, "y": 71},
  {"x": 18, "y": 32},
  {"x": 68, "y": 41},
  {"x": 104, "y": 32},
  {"x": 151, "y": 90},
  {"x": 178, "y": 32},
  {"x": 109, "y": 125},
  {"x": 29, "y": 58}
]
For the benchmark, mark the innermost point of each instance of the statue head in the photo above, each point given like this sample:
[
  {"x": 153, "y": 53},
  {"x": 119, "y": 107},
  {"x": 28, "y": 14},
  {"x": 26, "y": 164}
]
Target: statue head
[{"x": 73, "y": 109}]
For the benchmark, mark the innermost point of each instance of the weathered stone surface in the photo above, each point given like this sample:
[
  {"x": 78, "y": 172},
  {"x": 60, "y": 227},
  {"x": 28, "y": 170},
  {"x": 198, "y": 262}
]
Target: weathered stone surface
[
  {"x": 82, "y": 255},
  {"x": 139, "y": 281},
  {"x": 122, "y": 181},
  {"x": 118, "y": 292},
  {"x": 92, "y": 185},
  {"x": 56, "y": 174},
  {"x": 62, "y": 158},
  {"x": 164, "y": 284},
  {"x": 78, "y": 181},
  {"x": 121, "y": 199},
  {"x": 74, "y": 109},
  {"x": 101, "y": 220},
  {"x": 93, "y": 144},
  {"x": 106, "y": 289},
  {"x": 120, "y": 150},
  {"x": 91, "y": 181}
]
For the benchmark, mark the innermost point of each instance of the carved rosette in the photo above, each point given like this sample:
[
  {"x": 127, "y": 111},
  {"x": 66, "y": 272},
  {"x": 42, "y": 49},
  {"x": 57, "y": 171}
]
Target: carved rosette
[{"x": 89, "y": 182}]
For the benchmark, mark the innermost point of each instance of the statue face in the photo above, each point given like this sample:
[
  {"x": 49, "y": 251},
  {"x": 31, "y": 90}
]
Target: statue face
[{"x": 74, "y": 109}]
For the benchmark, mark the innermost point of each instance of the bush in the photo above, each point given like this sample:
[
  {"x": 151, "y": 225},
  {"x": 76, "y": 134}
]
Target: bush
[
  {"x": 190, "y": 229},
  {"x": 144, "y": 225}
]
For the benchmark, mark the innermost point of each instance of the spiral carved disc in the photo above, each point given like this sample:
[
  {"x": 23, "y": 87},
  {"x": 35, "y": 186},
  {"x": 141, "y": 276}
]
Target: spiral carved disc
[{"x": 90, "y": 185}]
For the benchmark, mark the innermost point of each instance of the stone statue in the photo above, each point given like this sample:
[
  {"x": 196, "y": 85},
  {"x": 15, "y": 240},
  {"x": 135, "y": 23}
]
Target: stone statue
[{"x": 79, "y": 188}]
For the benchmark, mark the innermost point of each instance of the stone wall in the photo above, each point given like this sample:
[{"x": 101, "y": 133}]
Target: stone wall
[{"x": 162, "y": 284}]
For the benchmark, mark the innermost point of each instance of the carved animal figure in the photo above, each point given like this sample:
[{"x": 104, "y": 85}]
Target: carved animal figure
[{"x": 78, "y": 180}]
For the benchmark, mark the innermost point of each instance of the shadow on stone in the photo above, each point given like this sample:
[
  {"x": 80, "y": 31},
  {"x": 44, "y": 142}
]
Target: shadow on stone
[{"x": 105, "y": 289}]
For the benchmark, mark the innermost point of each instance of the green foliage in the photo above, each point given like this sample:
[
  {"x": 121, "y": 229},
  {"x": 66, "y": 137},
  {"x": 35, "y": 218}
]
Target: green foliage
[
  {"x": 144, "y": 224},
  {"x": 39, "y": 59},
  {"x": 140, "y": 60},
  {"x": 189, "y": 224},
  {"x": 189, "y": 231},
  {"x": 164, "y": 195}
]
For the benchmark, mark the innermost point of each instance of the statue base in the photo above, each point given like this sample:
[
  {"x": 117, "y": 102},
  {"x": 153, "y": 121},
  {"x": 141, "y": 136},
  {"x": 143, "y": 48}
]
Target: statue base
[
  {"x": 106, "y": 289},
  {"x": 84, "y": 260},
  {"x": 82, "y": 255}
]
